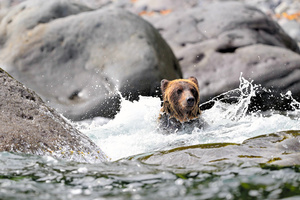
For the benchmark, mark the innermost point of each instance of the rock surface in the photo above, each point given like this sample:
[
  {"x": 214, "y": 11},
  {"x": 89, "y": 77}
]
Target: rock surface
[
  {"x": 221, "y": 44},
  {"x": 27, "y": 125},
  {"x": 77, "y": 59},
  {"x": 211, "y": 42},
  {"x": 285, "y": 12},
  {"x": 216, "y": 45},
  {"x": 279, "y": 149}
]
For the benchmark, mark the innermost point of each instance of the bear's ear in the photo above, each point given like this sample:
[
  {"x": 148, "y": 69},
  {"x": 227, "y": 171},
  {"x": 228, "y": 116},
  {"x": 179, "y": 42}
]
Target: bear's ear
[
  {"x": 194, "y": 80},
  {"x": 163, "y": 85}
]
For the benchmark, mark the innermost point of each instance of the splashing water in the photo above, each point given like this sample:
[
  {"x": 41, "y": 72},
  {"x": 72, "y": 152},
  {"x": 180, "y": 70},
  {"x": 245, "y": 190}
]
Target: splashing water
[{"x": 134, "y": 129}]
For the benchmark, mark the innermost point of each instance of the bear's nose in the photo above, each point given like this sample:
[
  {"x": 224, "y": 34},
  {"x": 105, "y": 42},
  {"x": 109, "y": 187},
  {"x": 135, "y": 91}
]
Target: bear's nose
[{"x": 190, "y": 101}]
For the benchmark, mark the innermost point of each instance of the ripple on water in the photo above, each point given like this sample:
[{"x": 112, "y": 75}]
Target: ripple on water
[
  {"x": 33, "y": 177},
  {"x": 134, "y": 131}
]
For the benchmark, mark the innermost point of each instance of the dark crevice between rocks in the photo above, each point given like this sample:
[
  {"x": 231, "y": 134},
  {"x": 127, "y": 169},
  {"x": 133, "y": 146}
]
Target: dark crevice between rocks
[{"x": 227, "y": 49}]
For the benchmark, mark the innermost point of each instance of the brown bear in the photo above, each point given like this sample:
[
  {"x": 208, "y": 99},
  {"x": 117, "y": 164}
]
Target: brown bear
[{"x": 180, "y": 107}]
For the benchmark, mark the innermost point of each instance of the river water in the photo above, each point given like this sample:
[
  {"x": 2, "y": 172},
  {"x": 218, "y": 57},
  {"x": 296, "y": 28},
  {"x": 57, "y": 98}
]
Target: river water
[{"x": 134, "y": 132}]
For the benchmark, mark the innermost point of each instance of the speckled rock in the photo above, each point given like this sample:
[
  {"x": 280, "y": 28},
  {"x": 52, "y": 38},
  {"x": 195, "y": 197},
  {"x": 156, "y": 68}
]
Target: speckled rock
[{"x": 28, "y": 126}]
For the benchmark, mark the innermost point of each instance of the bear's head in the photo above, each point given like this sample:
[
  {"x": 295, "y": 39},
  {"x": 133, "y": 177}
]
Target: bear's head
[{"x": 181, "y": 99}]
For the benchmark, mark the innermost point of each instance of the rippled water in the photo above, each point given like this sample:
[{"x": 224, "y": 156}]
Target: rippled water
[
  {"x": 32, "y": 177},
  {"x": 134, "y": 131}
]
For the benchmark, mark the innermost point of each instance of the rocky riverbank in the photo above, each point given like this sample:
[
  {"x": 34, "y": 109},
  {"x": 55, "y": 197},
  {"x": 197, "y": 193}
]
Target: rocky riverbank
[
  {"x": 28, "y": 125},
  {"x": 79, "y": 59},
  {"x": 79, "y": 55}
]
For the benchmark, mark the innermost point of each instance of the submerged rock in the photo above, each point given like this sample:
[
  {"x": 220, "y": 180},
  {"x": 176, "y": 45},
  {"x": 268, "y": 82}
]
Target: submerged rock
[
  {"x": 77, "y": 59},
  {"x": 280, "y": 148},
  {"x": 27, "y": 125}
]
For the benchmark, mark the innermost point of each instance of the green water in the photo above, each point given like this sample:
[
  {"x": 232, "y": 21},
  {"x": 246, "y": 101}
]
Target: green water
[{"x": 33, "y": 177}]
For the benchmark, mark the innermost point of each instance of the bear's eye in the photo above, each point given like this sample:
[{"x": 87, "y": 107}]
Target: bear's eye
[
  {"x": 179, "y": 91},
  {"x": 193, "y": 91}
]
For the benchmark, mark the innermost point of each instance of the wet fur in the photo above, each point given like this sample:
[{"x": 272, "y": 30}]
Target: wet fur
[{"x": 175, "y": 114}]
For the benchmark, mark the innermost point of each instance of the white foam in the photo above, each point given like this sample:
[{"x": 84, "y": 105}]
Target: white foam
[{"x": 134, "y": 129}]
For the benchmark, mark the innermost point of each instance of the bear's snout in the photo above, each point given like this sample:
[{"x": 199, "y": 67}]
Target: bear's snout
[
  {"x": 180, "y": 99},
  {"x": 190, "y": 101}
]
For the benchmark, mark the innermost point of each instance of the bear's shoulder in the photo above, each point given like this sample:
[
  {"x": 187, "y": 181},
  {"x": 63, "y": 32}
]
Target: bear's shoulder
[{"x": 172, "y": 125}]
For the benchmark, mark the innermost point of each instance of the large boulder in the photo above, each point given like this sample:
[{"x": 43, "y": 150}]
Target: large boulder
[
  {"x": 27, "y": 125},
  {"x": 157, "y": 7},
  {"x": 78, "y": 59},
  {"x": 217, "y": 42}
]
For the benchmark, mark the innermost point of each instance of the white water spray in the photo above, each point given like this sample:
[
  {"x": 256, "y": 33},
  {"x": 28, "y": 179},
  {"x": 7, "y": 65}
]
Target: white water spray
[{"x": 134, "y": 129}]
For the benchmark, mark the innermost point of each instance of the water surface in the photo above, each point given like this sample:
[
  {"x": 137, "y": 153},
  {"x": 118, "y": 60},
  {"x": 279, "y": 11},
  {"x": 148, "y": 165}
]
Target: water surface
[{"x": 134, "y": 132}]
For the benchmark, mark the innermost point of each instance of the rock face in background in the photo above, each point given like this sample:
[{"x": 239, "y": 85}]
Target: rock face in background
[
  {"x": 27, "y": 125},
  {"x": 88, "y": 52},
  {"x": 77, "y": 58},
  {"x": 217, "y": 40},
  {"x": 216, "y": 44}
]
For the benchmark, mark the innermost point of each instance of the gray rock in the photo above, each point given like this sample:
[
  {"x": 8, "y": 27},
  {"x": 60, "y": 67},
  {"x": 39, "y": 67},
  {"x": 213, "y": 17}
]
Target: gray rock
[
  {"x": 27, "y": 125},
  {"x": 78, "y": 59},
  {"x": 215, "y": 44},
  {"x": 151, "y": 9},
  {"x": 272, "y": 67},
  {"x": 216, "y": 22},
  {"x": 277, "y": 149},
  {"x": 292, "y": 27},
  {"x": 158, "y": 5}
]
